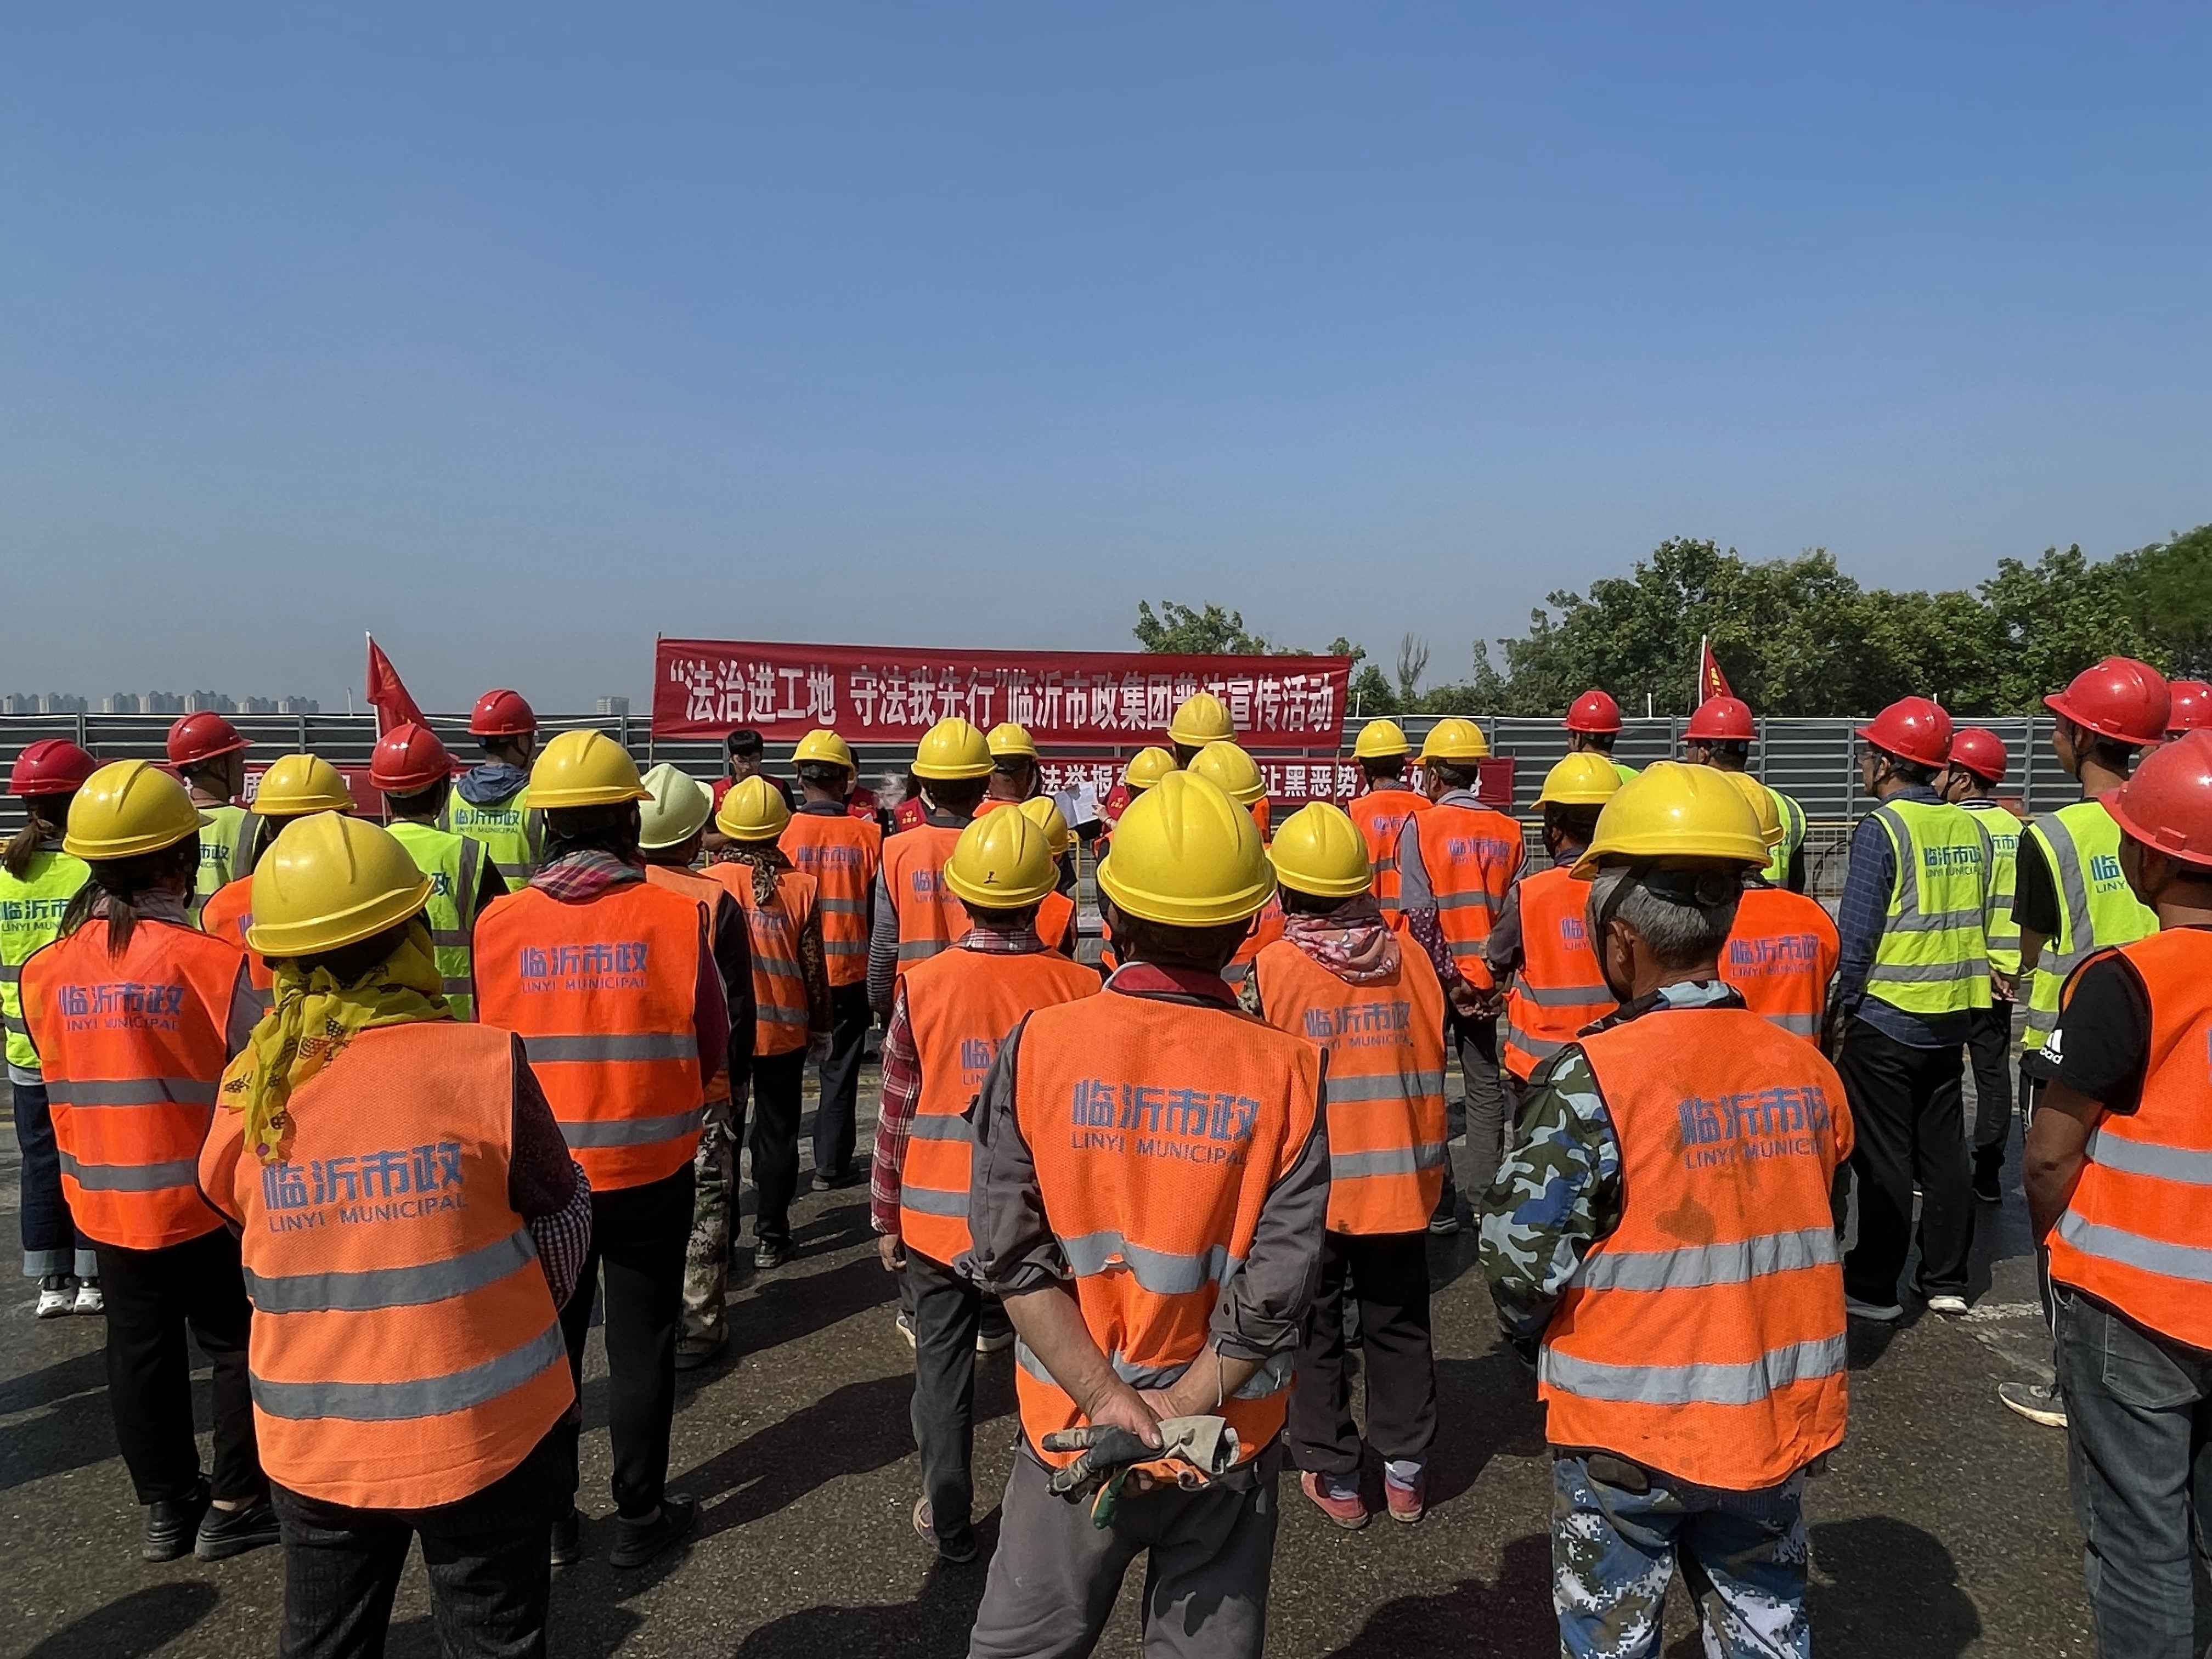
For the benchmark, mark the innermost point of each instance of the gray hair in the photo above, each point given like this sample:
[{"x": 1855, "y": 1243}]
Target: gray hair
[{"x": 1683, "y": 915}]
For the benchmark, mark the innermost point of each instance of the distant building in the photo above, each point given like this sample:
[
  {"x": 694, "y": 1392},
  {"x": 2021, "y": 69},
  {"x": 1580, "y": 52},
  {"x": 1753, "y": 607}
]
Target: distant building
[
  {"x": 257, "y": 706},
  {"x": 616, "y": 706},
  {"x": 213, "y": 702},
  {"x": 298, "y": 706},
  {"x": 120, "y": 702},
  {"x": 60, "y": 702},
  {"x": 17, "y": 703},
  {"x": 161, "y": 702}
]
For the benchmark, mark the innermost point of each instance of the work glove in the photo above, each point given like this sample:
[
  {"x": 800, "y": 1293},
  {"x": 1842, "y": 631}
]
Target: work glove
[{"x": 1109, "y": 1452}]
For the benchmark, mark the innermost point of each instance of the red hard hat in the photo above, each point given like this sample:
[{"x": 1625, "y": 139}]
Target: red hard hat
[
  {"x": 51, "y": 766},
  {"x": 501, "y": 713},
  {"x": 1914, "y": 729},
  {"x": 409, "y": 759},
  {"x": 1594, "y": 711},
  {"x": 1722, "y": 719},
  {"x": 2188, "y": 707},
  {"x": 205, "y": 736},
  {"x": 2118, "y": 698},
  {"x": 2167, "y": 803},
  {"x": 1981, "y": 751}
]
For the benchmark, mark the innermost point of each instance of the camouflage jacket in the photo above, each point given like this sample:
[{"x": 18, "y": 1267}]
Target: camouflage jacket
[{"x": 1558, "y": 1191}]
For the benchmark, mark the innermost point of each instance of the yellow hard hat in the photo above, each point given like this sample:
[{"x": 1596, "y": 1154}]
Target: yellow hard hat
[
  {"x": 1455, "y": 739},
  {"x": 297, "y": 785},
  {"x": 752, "y": 811},
  {"x": 1001, "y": 863},
  {"x": 584, "y": 769},
  {"x": 1146, "y": 768},
  {"x": 1008, "y": 741},
  {"x": 1044, "y": 813},
  {"x": 1380, "y": 741},
  {"x": 126, "y": 808},
  {"x": 1319, "y": 850},
  {"x": 1202, "y": 719},
  {"x": 1670, "y": 812},
  {"x": 1583, "y": 779},
  {"x": 330, "y": 880},
  {"x": 953, "y": 749},
  {"x": 1235, "y": 772},
  {"x": 826, "y": 747},
  {"x": 1186, "y": 854},
  {"x": 678, "y": 810},
  {"x": 1761, "y": 801}
]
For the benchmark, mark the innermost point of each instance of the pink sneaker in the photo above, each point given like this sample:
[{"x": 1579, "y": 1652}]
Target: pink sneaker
[
  {"x": 1350, "y": 1513},
  {"x": 1408, "y": 1504}
]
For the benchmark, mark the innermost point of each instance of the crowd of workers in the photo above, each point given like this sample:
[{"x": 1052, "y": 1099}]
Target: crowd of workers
[{"x": 374, "y": 1113}]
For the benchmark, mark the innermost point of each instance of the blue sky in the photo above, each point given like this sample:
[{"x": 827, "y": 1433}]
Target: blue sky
[{"x": 519, "y": 336}]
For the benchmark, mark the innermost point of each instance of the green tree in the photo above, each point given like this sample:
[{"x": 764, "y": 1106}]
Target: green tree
[
  {"x": 1180, "y": 630},
  {"x": 2171, "y": 584}
]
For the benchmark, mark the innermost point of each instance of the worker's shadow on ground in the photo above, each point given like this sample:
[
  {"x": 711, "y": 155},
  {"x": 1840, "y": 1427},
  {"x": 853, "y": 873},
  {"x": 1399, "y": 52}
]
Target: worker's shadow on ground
[
  {"x": 76, "y": 1430},
  {"x": 1490, "y": 1401},
  {"x": 935, "y": 1625},
  {"x": 142, "y": 1622}
]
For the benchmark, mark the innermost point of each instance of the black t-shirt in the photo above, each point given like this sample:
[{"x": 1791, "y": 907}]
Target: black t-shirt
[
  {"x": 2101, "y": 1046},
  {"x": 2034, "y": 894}
]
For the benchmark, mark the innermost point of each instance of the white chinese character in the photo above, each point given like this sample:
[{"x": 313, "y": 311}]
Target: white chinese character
[
  {"x": 1293, "y": 688},
  {"x": 1048, "y": 714},
  {"x": 1239, "y": 699},
  {"x": 982, "y": 691},
  {"x": 920, "y": 698},
  {"x": 1102, "y": 703},
  {"x": 1266, "y": 704},
  {"x": 760, "y": 693},
  {"x": 951, "y": 702},
  {"x": 1320, "y": 704},
  {"x": 1134, "y": 703},
  {"x": 894, "y": 716},
  {"x": 1347, "y": 781},
  {"x": 864, "y": 687},
  {"x": 1021, "y": 698},
  {"x": 1160, "y": 702},
  {"x": 1051, "y": 777},
  {"x": 1186, "y": 687},
  {"x": 821, "y": 695},
  {"x": 1294, "y": 782},
  {"x": 788, "y": 708}
]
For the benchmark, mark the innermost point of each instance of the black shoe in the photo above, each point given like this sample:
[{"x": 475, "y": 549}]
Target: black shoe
[
  {"x": 1989, "y": 1183},
  {"x": 767, "y": 1256},
  {"x": 637, "y": 1542},
  {"x": 692, "y": 1355},
  {"x": 568, "y": 1547},
  {"x": 170, "y": 1525},
  {"x": 851, "y": 1175},
  {"x": 226, "y": 1533}
]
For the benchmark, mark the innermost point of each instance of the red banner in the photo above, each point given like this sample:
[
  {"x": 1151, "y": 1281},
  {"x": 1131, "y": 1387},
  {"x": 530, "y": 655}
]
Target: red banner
[{"x": 703, "y": 689}]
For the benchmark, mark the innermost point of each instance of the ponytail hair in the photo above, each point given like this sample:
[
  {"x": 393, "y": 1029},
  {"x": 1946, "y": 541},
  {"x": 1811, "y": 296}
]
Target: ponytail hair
[
  {"x": 48, "y": 816},
  {"x": 116, "y": 885}
]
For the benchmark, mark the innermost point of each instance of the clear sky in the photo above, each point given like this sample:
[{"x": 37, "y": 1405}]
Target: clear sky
[{"x": 520, "y": 338}]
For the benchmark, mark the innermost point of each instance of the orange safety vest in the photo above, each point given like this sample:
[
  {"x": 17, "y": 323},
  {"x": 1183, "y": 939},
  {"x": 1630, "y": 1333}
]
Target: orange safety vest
[
  {"x": 1704, "y": 1337},
  {"x": 842, "y": 855},
  {"x": 228, "y": 914},
  {"x": 1471, "y": 855},
  {"x": 1266, "y": 928},
  {"x": 1780, "y": 955},
  {"x": 696, "y": 886},
  {"x": 930, "y": 917},
  {"x": 1055, "y": 923},
  {"x": 1380, "y": 814},
  {"x": 1263, "y": 811},
  {"x": 1158, "y": 1130},
  {"x": 2138, "y": 1230},
  {"x": 1560, "y": 988},
  {"x": 1385, "y": 1043},
  {"x": 133, "y": 1047},
  {"x": 405, "y": 1349},
  {"x": 605, "y": 994},
  {"x": 779, "y": 1009},
  {"x": 959, "y": 1005}
]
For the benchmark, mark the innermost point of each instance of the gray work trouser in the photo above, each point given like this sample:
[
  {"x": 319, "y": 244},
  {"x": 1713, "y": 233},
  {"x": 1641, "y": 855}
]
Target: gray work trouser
[{"x": 1054, "y": 1577}]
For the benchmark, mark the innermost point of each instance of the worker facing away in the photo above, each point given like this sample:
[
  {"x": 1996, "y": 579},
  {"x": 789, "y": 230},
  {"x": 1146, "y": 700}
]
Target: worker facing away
[
  {"x": 1200, "y": 719},
  {"x": 1691, "y": 1378},
  {"x": 2115, "y": 1175},
  {"x": 132, "y": 1093},
  {"x": 915, "y": 915},
  {"x": 407, "y": 1379},
  {"x": 949, "y": 1015},
  {"x": 37, "y": 880},
  {"x": 842, "y": 851},
  {"x": 1977, "y": 769},
  {"x": 411, "y": 768},
  {"x": 1236, "y": 774},
  {"x": 609, "y": 981},
  {"x": 295, "y": 787},
  {"x": 1055, "y": 917},
  {"x": 791, "y": 994},
  {"x": 1593, "y": 726},
  {"x": 1340, "y": 978},
  {"x": 1782, "y": 953},
  {"x": 1914, "y": 971},
  {"x": 1016, "y": 772},
  {"x": 2188, "y": 708},
  {"x": 1539, "y": 946},
  {"x": 671, "y": 829},
  {"x": 1456, "y": 863},
  {"x": 1720, "y": 735},
  {"x": 207, "y": 752},
  {"x": 1385, "y": 801},
  {"x": 1146, "y": 768},
  {"x": 490, "y": 802},
  {"x": 1149, "y": 1188}
]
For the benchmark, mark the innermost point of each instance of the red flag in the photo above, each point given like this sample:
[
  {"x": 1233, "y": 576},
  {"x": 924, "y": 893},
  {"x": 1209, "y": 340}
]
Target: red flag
[
  {"x": 387, "y": 694},
  {"x": 1711, "y": 683}
]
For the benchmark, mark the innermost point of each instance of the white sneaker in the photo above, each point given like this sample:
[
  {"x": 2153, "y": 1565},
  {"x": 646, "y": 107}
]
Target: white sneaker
[
  {"x": 905, "y": 1327},
  {"x": 90, "y": 1298},
  {"x": 1881, "y": 1313},
  {"x": 995, "y": 1341},
  {"x": 55, "y": 1300},
  {"x": 1953, "y": 1306}
]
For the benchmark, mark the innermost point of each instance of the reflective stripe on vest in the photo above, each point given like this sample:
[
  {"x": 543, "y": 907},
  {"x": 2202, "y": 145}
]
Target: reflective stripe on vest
[
  {"x": 2097, "y": 908},
  {"x": 959, "y": 1006},
  {"x": 512, "y": 835},
  {"x": 1276, "y": 1372},
  {"x": 1933, "y": 958},
  {"x": 1381, "y": 815},
  {"x": 780, "y": 1007},
  {"x": 930, "y": 919},
  {"x": 2005, "y": 831},
  {"x": 1717, "y": 1357},
  {"x": 31, "y": 908},
  {"x": 134, "y": 1047},
  {"x": 404, "y": 1351},
  {"x": 842, "y": 853},
  {"x": 1559, "y": 988},
  {"x": 2137, "y": 1230},
  {"x": 1780, "y": 956},
  {"x": 1793, "y": 837},
  {"x": 219, "y": 860},
  {"x": 1385, "y": 1043},
  {"x": 454, "y": 865},
  {"x": 1470, "y": 857}
]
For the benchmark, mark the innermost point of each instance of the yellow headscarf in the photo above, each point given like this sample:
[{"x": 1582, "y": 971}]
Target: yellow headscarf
[{"x": 314, "y": 1018}]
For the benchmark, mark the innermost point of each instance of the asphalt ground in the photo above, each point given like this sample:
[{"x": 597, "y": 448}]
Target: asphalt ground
[{"x": 1943, "y": 1530}]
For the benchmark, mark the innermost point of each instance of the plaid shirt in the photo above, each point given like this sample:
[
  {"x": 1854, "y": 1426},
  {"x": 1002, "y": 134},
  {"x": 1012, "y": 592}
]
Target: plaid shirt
[{"x": 902, "y": 1081}]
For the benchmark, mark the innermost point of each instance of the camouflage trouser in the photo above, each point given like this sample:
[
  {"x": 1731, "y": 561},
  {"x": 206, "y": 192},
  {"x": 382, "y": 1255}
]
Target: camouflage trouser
[
  {"x": 1613, "y": 1551},
  {"x": 707, "y": 1260}
]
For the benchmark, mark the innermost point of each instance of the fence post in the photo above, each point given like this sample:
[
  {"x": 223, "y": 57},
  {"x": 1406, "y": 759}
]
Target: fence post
[{"x": 1762, "y": 749}]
